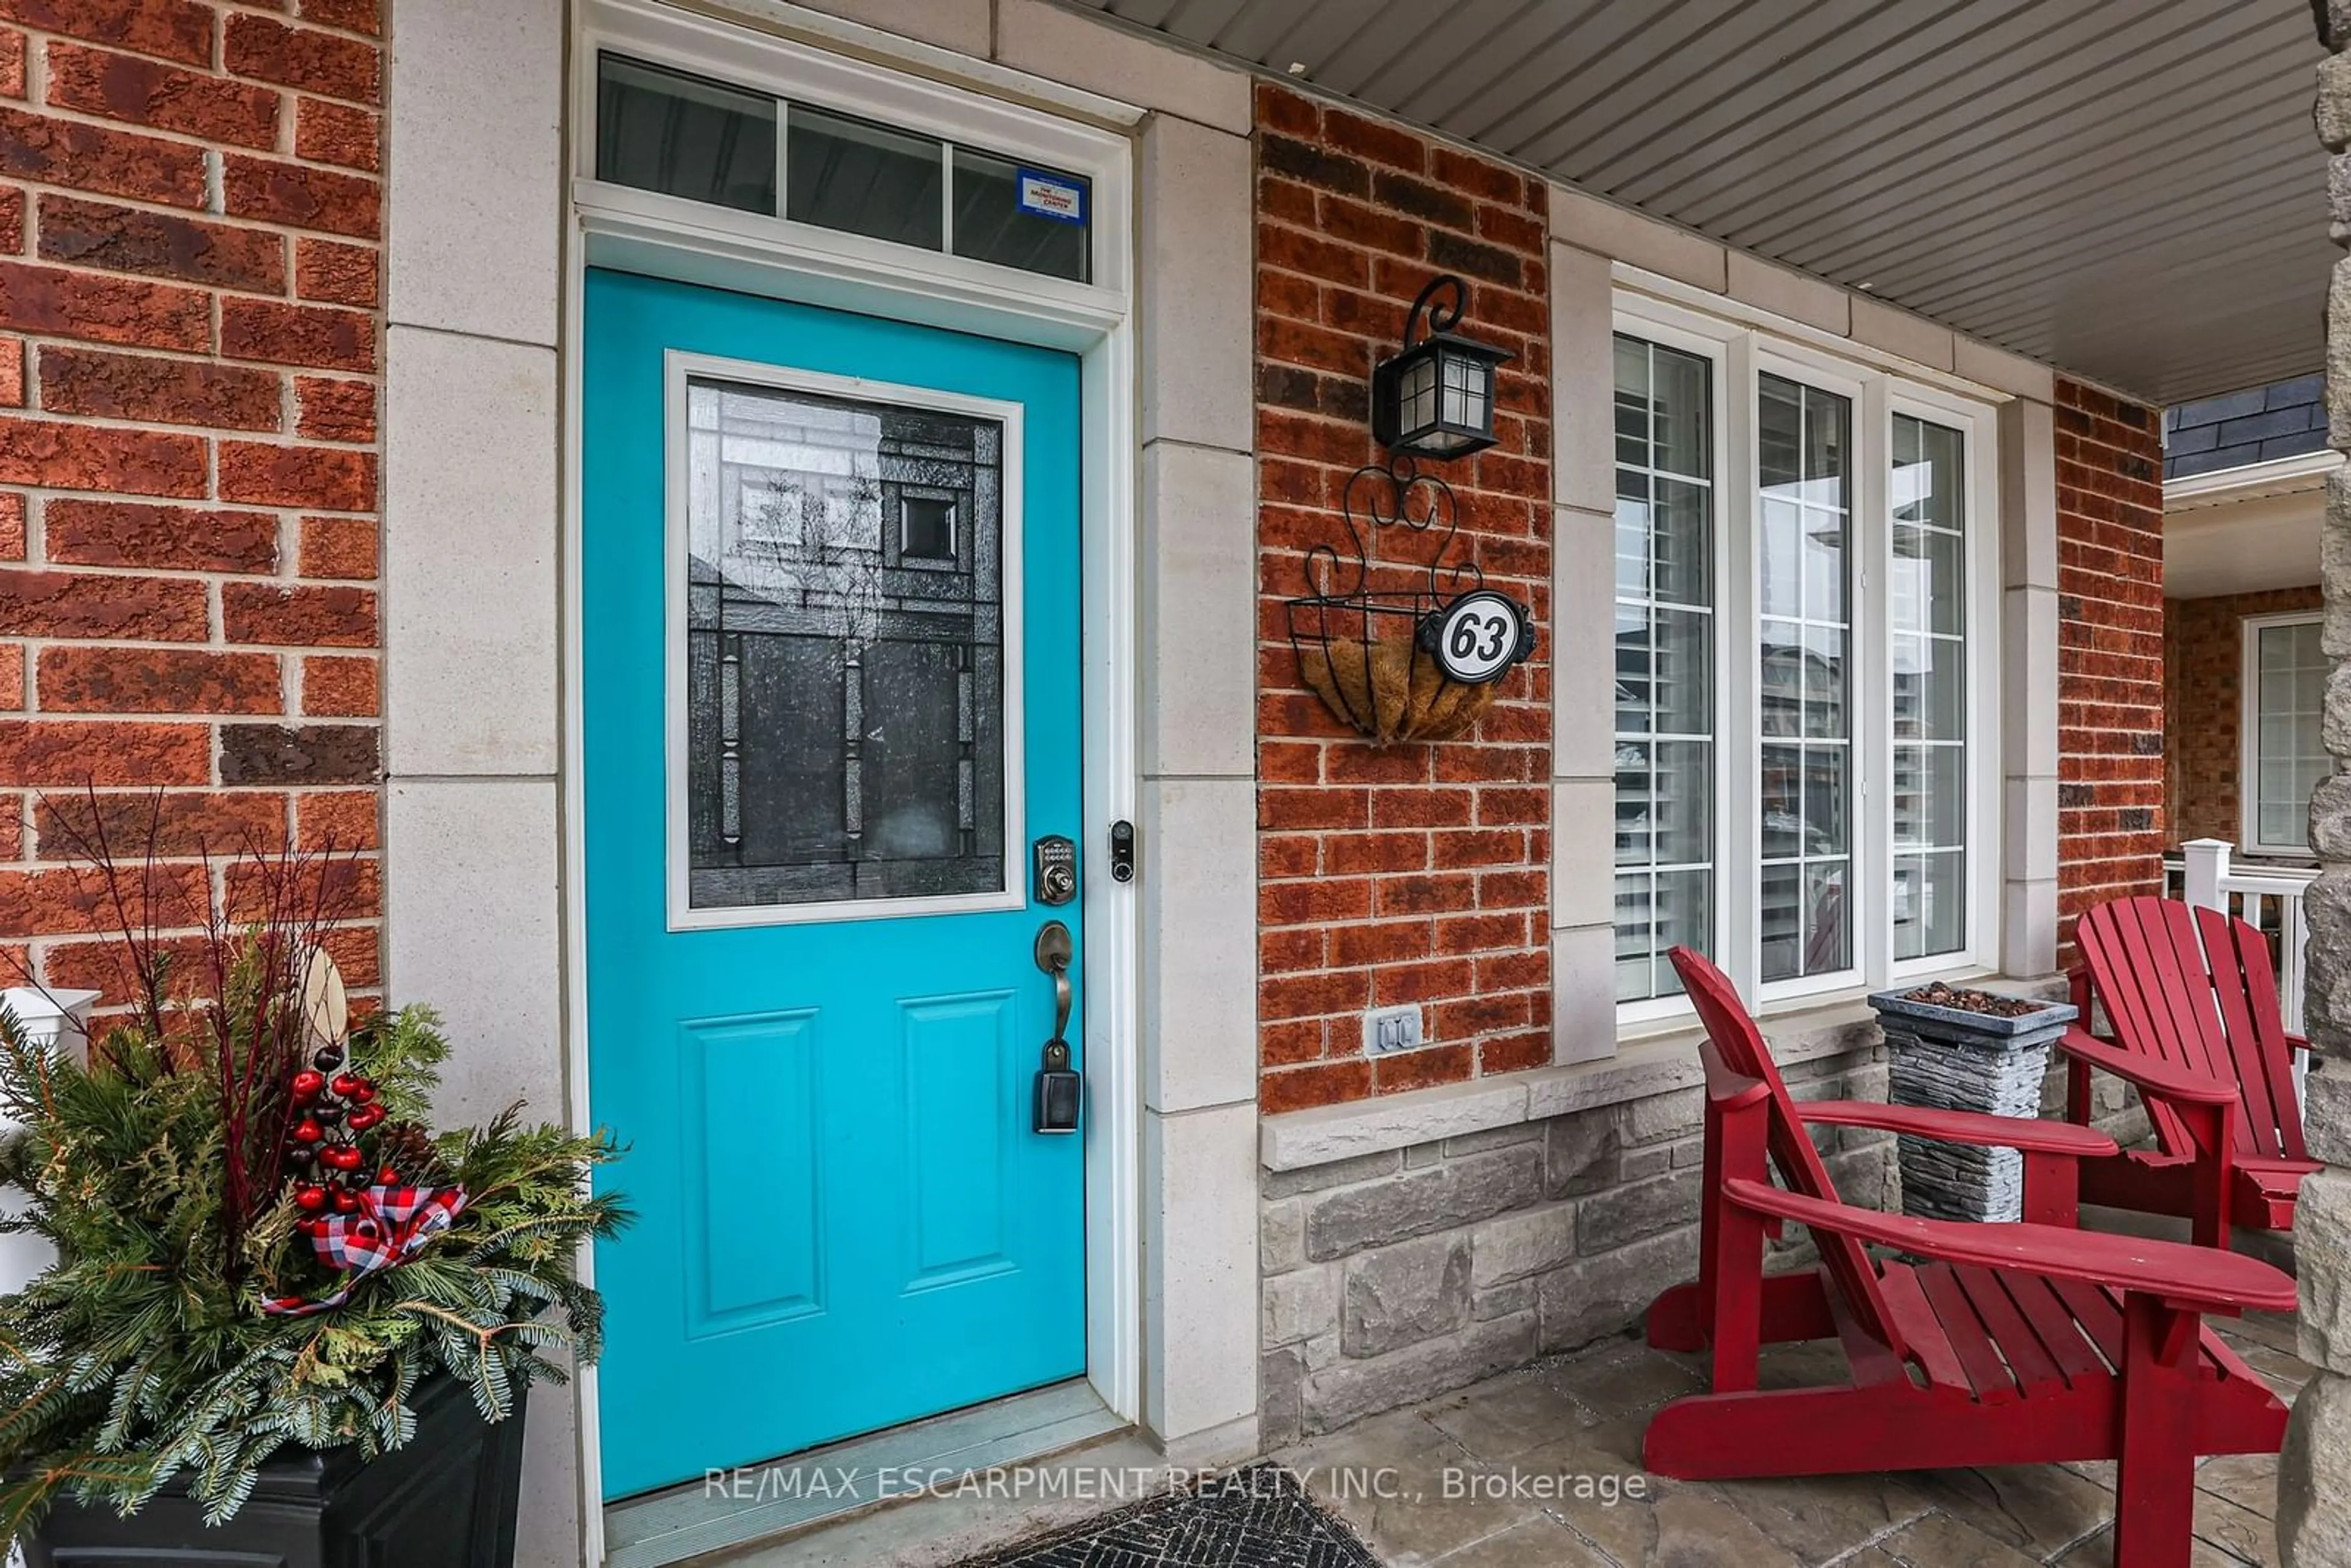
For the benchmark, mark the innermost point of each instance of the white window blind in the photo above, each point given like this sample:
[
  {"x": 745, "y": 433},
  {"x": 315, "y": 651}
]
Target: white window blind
[
  {"x": 1804, "y": 587},
  {"x": 1665, "y": 657}
]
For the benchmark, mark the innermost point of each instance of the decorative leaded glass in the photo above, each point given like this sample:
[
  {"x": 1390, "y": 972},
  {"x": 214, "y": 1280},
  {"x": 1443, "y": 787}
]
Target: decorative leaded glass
[{"x": 844, "y": 650}]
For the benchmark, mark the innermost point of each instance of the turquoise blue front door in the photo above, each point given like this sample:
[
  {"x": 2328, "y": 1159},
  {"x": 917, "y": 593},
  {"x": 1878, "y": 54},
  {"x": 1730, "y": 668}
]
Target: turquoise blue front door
[{"x": 830, "y": 627}]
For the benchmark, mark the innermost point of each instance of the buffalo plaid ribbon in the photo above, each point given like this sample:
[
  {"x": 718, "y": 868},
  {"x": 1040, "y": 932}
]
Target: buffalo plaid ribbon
[{"x": 391, "y": 1226}]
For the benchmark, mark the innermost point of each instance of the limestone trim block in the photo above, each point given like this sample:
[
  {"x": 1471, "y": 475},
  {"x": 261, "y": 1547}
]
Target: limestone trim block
[
  {"x": 1299, "y": 1140},
  {"x": 1588, "y": 223}
]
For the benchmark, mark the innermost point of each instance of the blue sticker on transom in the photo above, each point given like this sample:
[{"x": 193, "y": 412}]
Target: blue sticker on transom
[{"x": 1052, "y": 196}]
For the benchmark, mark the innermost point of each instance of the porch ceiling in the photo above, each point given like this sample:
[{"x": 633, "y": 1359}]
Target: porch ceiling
[{"x": 2127, "y": 189}]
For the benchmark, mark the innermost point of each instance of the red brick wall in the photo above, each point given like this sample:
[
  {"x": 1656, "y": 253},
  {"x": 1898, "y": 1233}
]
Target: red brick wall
[
  {"x": 2110, "y": 692},
  {"x": 1416, "y": 872},
  {"x": 2203, "y": 693},
  {"x": 190, "y": 208}
]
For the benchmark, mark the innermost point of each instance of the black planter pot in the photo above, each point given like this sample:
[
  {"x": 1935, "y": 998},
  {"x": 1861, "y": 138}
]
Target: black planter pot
[{"x": 446, "y": 1500}]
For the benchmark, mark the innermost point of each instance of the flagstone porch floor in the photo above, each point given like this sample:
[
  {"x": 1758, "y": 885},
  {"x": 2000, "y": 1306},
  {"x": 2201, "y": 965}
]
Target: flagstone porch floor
[{"x": 1582, "y": 1414}]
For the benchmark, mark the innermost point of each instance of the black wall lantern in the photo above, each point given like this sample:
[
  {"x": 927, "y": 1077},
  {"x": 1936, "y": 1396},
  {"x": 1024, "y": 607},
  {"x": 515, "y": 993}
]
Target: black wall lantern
[
  {"x": 1400, "y": 648},
  {"x": 1437, "y": 397}
]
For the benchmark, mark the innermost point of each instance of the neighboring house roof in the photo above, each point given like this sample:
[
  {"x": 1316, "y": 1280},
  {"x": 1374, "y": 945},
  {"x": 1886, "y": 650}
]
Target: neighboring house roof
[{"x": 2259, "y": 426}]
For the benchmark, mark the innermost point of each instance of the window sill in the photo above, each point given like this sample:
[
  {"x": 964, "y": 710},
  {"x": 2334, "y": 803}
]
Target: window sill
[{"x": 1792, "y": 1011}]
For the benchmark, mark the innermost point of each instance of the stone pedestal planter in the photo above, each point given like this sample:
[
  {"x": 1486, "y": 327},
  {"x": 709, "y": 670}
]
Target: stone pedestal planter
[{"x": 1955, "y": 1059}]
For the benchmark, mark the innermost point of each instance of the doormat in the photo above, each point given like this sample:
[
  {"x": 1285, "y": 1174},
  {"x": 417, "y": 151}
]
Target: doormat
[{"x": 1260, "y": 1516}]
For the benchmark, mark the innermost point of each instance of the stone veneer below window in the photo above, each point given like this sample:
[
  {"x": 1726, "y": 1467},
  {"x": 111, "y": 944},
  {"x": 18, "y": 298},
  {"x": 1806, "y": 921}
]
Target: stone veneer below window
[{"x": 1394, "y": 1277}]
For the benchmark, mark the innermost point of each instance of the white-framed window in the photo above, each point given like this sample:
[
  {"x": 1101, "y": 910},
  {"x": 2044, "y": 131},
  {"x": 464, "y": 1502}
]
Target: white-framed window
[
  {"x": 1807, "y": 630},
  {"x": 2283, "y": 688}
]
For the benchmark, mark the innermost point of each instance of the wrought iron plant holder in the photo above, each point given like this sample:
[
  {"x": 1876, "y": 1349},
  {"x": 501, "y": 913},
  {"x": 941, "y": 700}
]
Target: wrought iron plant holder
[{"x": 1403, "y": 652}]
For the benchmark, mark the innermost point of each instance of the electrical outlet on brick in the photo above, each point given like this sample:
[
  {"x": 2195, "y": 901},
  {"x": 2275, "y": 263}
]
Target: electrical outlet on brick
[{"x": 1393, "y": 1028}]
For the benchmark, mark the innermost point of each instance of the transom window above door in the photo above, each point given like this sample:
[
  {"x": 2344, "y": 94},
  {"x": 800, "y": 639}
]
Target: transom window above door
[
  {"x": 1803, "y": 754},
  {"x": 683, "y": 135}
]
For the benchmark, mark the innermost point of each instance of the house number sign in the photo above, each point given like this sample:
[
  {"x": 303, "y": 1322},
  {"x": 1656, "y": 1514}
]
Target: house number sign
[{"x": 1478, "y": 636}]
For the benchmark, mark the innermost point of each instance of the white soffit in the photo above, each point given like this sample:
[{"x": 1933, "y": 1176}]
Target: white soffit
[{"x": 2258, "y": 540}]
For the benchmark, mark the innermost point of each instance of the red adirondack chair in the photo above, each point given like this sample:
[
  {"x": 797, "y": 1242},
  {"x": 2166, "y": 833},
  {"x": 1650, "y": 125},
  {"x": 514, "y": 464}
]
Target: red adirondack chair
[
  {"x": 2006, "y": 1344},
  {"x": 2194, "y": 989}
]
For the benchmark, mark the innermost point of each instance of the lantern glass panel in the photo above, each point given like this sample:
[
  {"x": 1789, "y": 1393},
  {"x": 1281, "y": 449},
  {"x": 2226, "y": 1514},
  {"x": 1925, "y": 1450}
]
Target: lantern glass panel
[
  {"x": 1465, "y": 392},
  {"x": 1416, "y": 398}
]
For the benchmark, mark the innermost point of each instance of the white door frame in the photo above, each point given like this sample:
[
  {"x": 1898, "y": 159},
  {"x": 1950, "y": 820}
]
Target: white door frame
[{"x": 639, "y": 231}]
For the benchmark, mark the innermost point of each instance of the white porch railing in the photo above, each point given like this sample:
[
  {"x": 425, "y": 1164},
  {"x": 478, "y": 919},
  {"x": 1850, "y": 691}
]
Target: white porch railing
[{"x": 2269, "y": 899}]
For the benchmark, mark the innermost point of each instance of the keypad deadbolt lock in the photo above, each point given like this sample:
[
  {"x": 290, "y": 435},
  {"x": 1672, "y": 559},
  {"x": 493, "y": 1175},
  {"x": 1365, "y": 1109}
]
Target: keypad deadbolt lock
[{"x": 1053, "y": 869}]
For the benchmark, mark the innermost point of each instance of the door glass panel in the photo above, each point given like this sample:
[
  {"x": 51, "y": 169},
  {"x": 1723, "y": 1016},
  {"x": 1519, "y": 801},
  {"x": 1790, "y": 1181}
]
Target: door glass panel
[{"x": 845, "y": 618}]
